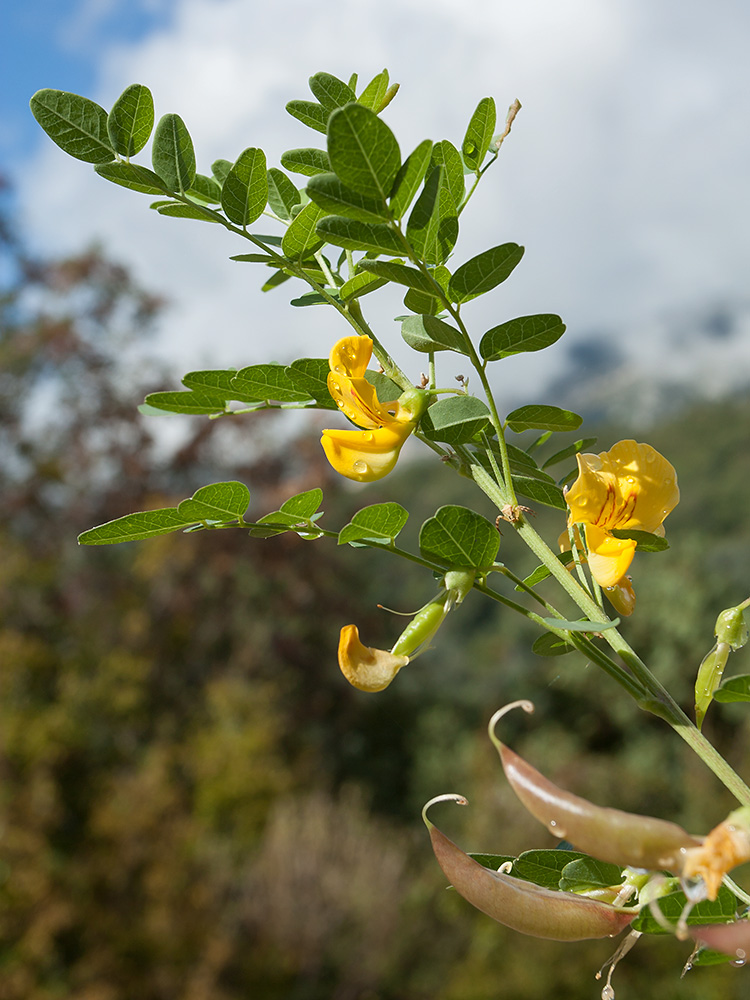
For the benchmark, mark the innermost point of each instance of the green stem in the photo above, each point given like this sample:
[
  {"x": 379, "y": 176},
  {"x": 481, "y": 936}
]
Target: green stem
[
  {"x": 352, "y": 312},
  {"x": 649, "y": 693}
]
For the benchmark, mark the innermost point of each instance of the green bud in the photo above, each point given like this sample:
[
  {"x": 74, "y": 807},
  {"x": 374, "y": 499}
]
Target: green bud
[
  {"x": 709, "y": 677},
  {"x": 414, "y": 401},
  {"x": 731, "y": 627},
  {"x": 458, "y": 583},
  {"x": 423, "y": 626}
]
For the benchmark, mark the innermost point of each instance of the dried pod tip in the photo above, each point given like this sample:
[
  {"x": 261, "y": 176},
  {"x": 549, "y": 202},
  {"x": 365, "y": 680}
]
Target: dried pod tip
[
  {"x": 460, "y": 800},
  {"x": 527, "y": 706}
]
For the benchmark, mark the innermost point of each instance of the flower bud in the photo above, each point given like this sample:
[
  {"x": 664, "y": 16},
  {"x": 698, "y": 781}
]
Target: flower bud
[
  {"x": 731, "y": 627},
  {"x": 709, "y": 677},
  {"x": 423, "y": 626}
]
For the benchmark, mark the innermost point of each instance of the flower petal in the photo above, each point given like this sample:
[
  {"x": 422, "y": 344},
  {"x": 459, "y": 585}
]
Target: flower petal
[
  {"x": 621, "y": 597},
  {"x": 350, "y": 356},
  {"x": 365, "y": 455},
  {"x": 629, "y": 486},
  {"x": 609, "y": 557},
  {"x": 358, "y": 400},
  {"x": 366, "y": 668}
]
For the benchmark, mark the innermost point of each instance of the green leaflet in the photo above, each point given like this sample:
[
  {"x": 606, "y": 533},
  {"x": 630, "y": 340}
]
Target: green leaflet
[
  {"x": 131, "y": 120},
  {"x": 720, "y": 911},
  {"x": 409, "y": 177},
  {"x": 361, "y": 284},
  {"x": 432, "y": 228},
  {"x": 455, "y": 419},
  {"x": 76, "y": 124},
  {"x": 544, "y": 868},
  {"x": 245, "y": 191},
  {"x": 445, "y": 153},
  {"x": 526, "y": 333},
  {"x": 581, "y": 626},
  {"x": 427, "y": 333},
  {"x": 646, "y": 541},
  {"x": 733, "y": 689},
  {"x": 479, "y": 133},
  {"x": 283, "y": 196},
  {"x": 380, "y": 522},
  {"x": 541, "y": 572},
  {"x": 310, "y": 375},
  {"x": 195, "y": 402},
  {"x": 135, "y": 527},
  {"x": 217, "y": 502},
  {"x": 331, "y": 92},
  {"x": 589, "y": 873},
  {"x": 393, "y": 270},
  {"x": 307, "y": 161},
  {"x": 220, "y": 169},
  {"x": 542, "y": 417},
  {"x": 172, "y": 153},
  {"x": 216, "y": 381},
  {"x": 374, "y": 93},
  {"x": 178, "y": 210},
  {"x": 570, "y": 451},
  {"x": 296, "y": 514},
  {"x": 133, "y": 176},
  {"x": 335, "y": 198},
  {"x": 301, "y": 239},
  {"x": 549, "y": 644},
  {"x": 363, "y": 151},
  {"x": 549, "y": 494},
  {"x": 310, "y": 113},
  {"x": 458, "y": 536},
  {"x": 484, "y": 272},
  {"x": 266, "y": 383},
  {"x": 354, "y": 235},
  {"x": 303, "y": 504},
  {"x": 205, "y": 189}
]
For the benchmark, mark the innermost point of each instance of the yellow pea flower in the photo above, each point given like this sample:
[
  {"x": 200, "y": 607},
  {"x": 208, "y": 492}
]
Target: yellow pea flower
[
  {"x": 631, "y": 486},
  {"x": 371, "y": 453},
  {"x": 364, "y": 667}
]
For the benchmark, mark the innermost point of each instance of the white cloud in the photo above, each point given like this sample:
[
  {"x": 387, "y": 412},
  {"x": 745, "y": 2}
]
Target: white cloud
[{"x": 624, "y": 175}]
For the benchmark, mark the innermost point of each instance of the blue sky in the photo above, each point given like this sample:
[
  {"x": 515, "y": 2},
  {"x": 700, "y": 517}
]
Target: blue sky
[
  {"x": 45, "y": 43},
  {"x": 625, "y": 174}
]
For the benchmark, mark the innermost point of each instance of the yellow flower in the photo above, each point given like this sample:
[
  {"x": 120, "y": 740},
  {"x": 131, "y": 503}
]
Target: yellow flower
[
  {"x": 364, "y": 667},
  {"x": 371, "y": 453},
  {"x": 631, "y": 486}
]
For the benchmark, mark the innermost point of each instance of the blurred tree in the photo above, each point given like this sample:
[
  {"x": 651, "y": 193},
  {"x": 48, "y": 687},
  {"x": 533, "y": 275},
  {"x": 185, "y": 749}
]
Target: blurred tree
[{"x": 189, "y": 790}]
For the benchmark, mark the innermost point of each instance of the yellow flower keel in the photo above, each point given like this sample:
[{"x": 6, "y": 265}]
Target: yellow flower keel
[{"x": 364, "y": 667}]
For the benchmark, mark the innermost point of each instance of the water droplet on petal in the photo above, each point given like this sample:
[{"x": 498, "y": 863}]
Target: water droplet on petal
[
  {"x": 339, "y": 402},
  {"x": 369, "y": 436},
  {"x": 631, "y": 479},
  {"x": 360, "y": 467},
  {"x": 338, "y": 368}
]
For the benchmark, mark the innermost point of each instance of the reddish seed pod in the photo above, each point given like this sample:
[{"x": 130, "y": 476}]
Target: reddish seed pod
[
  {"x": 622, "y": 838},
  {"x": 730, "y": 939},
  {"x": 523, "y": 906}
]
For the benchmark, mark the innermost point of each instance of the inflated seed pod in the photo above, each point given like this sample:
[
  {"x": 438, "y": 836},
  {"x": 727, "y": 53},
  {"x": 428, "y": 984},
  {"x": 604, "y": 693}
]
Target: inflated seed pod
[
  {"x": 622, "y": 838},
  {"x": 520, "y": 905}
]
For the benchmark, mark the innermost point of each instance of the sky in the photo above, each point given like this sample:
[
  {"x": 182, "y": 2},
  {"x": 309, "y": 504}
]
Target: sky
[{"x": 624, "y": 176}]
